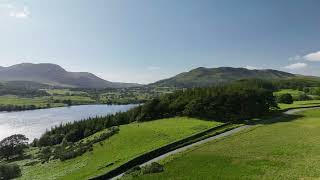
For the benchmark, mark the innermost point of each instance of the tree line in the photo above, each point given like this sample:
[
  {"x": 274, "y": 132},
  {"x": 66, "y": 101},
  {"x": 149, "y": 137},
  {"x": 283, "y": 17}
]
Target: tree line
[{"x": 234, "y": 102}]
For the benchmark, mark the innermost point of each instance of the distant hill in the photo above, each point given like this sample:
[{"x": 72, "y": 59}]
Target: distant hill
[
  {"x": 55, "y": 75},
  {"x": 210, "y": 76}
]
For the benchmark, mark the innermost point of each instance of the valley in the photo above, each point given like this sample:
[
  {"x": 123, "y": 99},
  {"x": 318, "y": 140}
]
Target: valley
[{"x": 84, "y": 133}]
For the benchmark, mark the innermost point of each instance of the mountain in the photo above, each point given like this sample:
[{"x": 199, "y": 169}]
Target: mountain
[
  {"x": 209, "y": 76},
  {"x": 55, "y": 75}
]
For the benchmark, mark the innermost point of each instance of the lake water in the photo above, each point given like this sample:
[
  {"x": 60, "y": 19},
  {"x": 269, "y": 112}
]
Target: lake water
[{"x": 34, "y": 123}]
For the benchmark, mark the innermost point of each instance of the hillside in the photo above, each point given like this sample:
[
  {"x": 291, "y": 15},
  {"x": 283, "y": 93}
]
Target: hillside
[
  {"x": 55, "y": 75},
  {"x": 284, "y": 149},
  {"x": 210, "y": 76}
]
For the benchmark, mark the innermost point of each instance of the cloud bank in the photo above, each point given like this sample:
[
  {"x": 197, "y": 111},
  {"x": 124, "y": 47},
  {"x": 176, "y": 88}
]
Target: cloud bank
[
  {"x": 312, "y": 56},
  {"x": 296, "y": 66}
]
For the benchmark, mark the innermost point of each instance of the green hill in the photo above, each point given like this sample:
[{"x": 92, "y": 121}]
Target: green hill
[
  {"x": 55, "y": 75},
  {"x": 210, "y": 76},
  {"x": 132, "y": 140}
]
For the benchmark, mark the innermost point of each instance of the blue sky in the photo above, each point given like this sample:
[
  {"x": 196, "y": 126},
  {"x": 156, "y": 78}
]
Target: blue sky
[{"x": 147, "y": 40}]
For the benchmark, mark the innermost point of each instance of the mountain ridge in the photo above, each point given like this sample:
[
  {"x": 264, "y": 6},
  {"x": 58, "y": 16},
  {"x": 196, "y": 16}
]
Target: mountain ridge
[
  {"x": 55, "y": 75},
  {"x": 202, "y": 76}
]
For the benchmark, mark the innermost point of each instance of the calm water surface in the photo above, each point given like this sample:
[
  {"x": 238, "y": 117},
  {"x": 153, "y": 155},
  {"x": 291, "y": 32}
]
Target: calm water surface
[{"x": 34, "y": 123}]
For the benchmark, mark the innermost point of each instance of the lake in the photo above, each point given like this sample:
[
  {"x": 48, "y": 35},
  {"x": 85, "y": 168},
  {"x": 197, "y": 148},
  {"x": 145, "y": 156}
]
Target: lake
[{"x": 34, "y": 123}]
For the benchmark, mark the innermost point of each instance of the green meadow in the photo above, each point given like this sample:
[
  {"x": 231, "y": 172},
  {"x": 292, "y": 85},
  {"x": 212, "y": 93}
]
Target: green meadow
[
  {"x": 133, "y": 140},
  {"x": 20, "y": 101},
  {"x": 285, "y": 149},
  {"x": 53, "y": 101},
  {"x": 300, "y": 104}
]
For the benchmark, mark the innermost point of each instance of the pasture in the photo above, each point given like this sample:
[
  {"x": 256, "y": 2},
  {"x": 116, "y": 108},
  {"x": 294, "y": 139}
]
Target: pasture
[{"x": 285, "y": 149}]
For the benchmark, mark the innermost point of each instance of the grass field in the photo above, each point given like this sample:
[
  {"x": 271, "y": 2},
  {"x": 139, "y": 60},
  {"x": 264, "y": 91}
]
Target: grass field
[
  {"x": 65, "y": 92},
  {"x": 44, "y": 101},
  {"x": 294, "y": 93},
  {"x": 298, "y": 104},
  {"x": 19, "y": 101},
  {"x": 287, "y": 149},
  {"x": 132, "y": 140}
]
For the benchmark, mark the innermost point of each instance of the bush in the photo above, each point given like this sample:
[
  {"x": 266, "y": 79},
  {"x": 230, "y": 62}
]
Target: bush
[
  {"x": 45, "y": 154},
  {"x": 153, "y": 168},
  {"x": 9, "y": 171},
  {"x": 285, "y": 98}
]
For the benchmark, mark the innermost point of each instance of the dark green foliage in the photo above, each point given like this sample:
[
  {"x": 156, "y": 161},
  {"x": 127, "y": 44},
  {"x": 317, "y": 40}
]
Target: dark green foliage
[
  {"x": 45, "y": 154},
  {"x": 153, "y": 168},
  {"x": 75, "y": 151},
  {"x": 149, "y": 169},
  {"x": 67, "y": 102},
  {"x": 13, "y": 146},
  {"x": 66, "y": 153},
  {"x": 9, "y": 171},
  {"x": 23, "y": 89},
  {"x": 298, "y": 83},
  {"x": 285, "y": 98},
  {"x": 10, "y": 107}
]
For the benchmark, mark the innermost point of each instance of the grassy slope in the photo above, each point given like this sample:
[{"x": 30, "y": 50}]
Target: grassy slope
[
  {"x": 133, "y": 140},
  {"x": 297, "y": 104},
  {"x": 283, "y": 150},
  {"x": 294, "y": 93}
]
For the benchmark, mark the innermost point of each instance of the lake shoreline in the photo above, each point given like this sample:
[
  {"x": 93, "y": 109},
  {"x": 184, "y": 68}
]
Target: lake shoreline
[
  {"x": 40, "y": 108},
  {"x": 33, "y": 123}
]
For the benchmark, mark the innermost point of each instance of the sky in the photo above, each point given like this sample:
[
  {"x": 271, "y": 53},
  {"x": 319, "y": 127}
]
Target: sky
[{"x": 147, "y": 40}]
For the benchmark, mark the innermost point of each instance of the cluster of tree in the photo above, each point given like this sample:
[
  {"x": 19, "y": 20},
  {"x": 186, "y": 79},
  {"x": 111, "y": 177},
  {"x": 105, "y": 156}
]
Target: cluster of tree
[
  {"x": 285, "y": 98},
  {"x": 67, "y": 150},
  {"x": 13, "y": 146},
  {"x": 11, "y": 107},
  {"x": 20, "y": 90},
  {"x": 296, "y": 83},
  {"x": 233, "y": 102},
  {"x": 312, "y": 90},
  {"x": 9, "y": 171},
  {"x": 237, "y": 101}
]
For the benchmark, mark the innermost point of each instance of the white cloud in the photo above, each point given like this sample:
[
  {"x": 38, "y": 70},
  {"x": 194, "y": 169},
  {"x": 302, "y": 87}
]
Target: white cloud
[
  {"x": 296, "y": 66},
  {"x": 295, "y": 58},
  {"x": 16, "y": 11},
  {"x": 24, "y": 13},
  {"x": 312, "y": 56},
  {"x": 251, "y": 67}
]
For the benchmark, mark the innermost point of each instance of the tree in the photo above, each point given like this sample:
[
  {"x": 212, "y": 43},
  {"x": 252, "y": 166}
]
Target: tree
[
  {"x": 285, "y": 98},
  {"x": 45, "y": 154},
  {"x": 13, "y": 146}
]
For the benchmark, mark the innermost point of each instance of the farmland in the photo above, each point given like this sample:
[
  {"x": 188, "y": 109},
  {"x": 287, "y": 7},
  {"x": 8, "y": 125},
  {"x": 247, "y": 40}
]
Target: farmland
[{"x": 285, "y": 149}]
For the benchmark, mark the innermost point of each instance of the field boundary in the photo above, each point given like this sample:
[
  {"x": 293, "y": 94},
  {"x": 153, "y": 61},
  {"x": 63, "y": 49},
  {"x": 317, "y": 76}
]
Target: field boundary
[
  {"x": 293, "y": 108},
  {"x": 157, "y": 152}
]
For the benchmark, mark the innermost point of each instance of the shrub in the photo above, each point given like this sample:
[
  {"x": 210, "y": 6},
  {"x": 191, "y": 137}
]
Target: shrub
[
  {"x": 285, "y": 98},
  {"x": 9, "y": 171},
  {"x": 45, "y": 154},
  {"x": 153, "y": 168}
]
